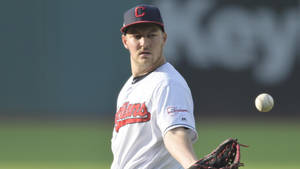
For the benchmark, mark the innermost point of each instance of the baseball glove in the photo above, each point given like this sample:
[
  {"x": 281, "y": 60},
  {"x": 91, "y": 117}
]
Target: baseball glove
[{"x": 225, "y": 156}]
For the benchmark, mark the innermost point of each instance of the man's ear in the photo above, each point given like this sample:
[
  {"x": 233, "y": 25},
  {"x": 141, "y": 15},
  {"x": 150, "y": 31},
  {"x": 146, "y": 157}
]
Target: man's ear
[
  {"x": 165, "y": 37},
  {"x": 124, "y": 40}
]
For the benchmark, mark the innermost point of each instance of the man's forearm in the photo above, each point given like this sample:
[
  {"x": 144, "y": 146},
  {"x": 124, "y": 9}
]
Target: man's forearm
[{"x": 179, "y": 144}]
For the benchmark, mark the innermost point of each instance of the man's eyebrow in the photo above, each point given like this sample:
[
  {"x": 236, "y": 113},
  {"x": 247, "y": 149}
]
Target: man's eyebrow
[
  {"x": 153, "y": 30},
  {"x": 132, "y": 31}
]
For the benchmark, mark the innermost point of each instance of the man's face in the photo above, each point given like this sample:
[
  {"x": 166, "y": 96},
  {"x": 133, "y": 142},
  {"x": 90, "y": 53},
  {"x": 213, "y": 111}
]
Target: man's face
[{"x": 145, "y": 43}]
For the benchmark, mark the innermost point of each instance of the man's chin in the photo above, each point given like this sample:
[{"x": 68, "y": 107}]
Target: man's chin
[
  {"x": 144, "y": 62},
  {"x": 145, "y": 56}
]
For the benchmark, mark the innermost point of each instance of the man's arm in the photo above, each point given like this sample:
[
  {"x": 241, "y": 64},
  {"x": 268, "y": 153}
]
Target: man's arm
[{"x": 179, "y": 144}]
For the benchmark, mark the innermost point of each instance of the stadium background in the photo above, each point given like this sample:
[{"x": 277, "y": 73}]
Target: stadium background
[{"x": 62, "y": 65}]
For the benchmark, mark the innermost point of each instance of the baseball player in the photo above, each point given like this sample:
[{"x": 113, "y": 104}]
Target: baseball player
[{"x": 154, "y": 122}]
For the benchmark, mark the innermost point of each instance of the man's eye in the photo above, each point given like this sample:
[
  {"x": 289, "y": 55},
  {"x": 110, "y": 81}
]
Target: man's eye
[
  {"x": 152, "y": 35},
  {"x": 137, "y": 36}
]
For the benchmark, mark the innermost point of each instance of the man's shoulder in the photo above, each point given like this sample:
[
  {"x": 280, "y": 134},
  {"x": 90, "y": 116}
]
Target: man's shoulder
[{"x": 167, "y": 74}]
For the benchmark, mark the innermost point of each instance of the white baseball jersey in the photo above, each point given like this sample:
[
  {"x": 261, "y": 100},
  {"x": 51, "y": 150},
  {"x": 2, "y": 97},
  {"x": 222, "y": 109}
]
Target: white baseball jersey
[{"x": 146, "y": 110}]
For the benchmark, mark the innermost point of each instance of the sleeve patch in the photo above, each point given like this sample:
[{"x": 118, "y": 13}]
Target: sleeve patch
[{"x": 175, "y": 110}]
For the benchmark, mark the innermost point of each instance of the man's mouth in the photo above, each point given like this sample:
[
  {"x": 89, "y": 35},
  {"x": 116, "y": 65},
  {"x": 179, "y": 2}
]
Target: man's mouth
[{"x": 145, "y": 53}]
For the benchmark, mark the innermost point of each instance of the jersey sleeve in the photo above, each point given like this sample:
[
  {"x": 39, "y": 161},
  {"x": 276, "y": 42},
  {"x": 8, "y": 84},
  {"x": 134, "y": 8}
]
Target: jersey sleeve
[{"x": 174, "y": 105}]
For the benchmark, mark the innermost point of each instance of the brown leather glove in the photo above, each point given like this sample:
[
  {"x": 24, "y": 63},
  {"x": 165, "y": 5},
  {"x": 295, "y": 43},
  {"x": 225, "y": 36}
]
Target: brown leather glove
[{"x": 226, "y": 156}]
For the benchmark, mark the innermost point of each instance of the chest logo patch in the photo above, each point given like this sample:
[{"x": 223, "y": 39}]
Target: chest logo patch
[{"x": 131, "y": 113}]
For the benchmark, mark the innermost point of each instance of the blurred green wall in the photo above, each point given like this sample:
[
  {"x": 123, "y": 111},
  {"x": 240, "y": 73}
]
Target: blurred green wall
[{"x": 65, "y": 57}]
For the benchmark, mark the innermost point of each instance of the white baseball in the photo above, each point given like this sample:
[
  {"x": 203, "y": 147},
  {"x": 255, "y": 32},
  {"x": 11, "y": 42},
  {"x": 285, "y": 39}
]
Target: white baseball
[{"x": 264, "y": 102}]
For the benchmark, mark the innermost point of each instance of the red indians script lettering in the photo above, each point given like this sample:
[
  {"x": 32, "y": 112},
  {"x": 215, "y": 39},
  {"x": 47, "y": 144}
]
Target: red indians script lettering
[{"x": 131, "y": 113}]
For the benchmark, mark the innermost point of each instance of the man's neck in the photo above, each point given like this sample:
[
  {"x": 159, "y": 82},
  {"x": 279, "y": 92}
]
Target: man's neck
[{"x": 140, "y": 71}]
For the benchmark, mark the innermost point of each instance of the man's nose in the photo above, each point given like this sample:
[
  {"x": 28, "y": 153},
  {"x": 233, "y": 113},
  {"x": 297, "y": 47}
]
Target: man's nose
[{"x": 145, "y": 42}]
